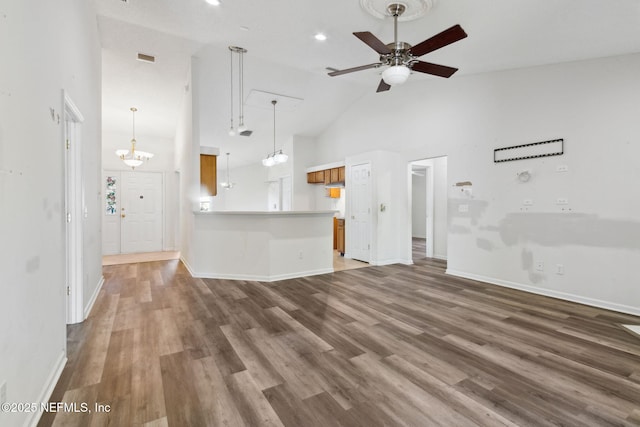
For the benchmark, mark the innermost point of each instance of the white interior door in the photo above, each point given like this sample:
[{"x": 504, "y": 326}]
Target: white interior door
[
  {"x": 141, "y": 212},
  {"x": 359, "y": 225}
]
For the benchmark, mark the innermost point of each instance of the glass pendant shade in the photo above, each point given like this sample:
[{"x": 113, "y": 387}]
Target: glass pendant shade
[
  {"x": 395, "y": 75},
  {"x": 280, "y": 157}
]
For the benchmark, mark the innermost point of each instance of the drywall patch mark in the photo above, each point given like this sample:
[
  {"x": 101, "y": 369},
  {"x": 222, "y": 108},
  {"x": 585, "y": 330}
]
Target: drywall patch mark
[
  {"x": 33, "y": 264},
  {"x": 474, "y": 209},
  {"x": 459, "y": 229},
  {"x": 566, "y": 229},
  {"x": 527, "y": 265},
  {"x": 485, "y": 244}
]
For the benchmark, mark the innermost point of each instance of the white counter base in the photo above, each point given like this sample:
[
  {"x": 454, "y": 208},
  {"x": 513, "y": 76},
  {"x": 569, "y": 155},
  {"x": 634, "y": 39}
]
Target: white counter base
[{"x": 261, "y": 246}]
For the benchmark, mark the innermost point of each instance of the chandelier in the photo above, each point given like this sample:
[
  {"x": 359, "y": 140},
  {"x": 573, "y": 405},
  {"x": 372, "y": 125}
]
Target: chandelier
[
  {"x": 133, "y": 157},
  {"x": 277, "y": 156}
]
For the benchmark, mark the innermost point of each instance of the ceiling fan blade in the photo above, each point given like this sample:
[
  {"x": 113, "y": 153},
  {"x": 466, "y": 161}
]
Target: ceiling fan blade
[
  {"x": 383, "y": 86},
  {"x": 373, "y": 42},
  {"x": 442, "y": 39},
  {"x": 435, "y": 69},
  {"x": 351, "y": 70}
]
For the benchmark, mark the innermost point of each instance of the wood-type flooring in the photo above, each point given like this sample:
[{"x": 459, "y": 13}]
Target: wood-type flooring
[{"x": 380, "y": 346}]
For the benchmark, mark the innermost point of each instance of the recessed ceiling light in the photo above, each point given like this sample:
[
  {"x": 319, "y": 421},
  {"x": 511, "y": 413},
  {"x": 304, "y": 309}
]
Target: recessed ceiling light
[
  {"x": 321, "y": 37},
  {"x": 243, "y": 28},
  {"x": 213, "y": 2}
]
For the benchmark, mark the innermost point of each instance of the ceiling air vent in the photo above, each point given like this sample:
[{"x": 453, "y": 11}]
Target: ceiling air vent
[{"x": 146, "y": 58}]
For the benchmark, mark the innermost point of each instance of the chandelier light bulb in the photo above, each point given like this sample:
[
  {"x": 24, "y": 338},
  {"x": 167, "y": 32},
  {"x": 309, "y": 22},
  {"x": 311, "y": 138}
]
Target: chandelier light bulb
[{"x": 232, "y": 132}]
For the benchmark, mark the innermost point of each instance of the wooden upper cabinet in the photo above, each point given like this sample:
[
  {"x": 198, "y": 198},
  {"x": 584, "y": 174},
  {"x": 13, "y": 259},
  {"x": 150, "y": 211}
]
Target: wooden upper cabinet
[
  {"x": 335, "y": 175},
  {"x": 328, "y": 176},
  {"x": 208, "y": 175}
]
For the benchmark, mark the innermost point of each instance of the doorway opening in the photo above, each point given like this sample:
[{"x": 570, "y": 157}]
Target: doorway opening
[{"x": 429, "y": 195}]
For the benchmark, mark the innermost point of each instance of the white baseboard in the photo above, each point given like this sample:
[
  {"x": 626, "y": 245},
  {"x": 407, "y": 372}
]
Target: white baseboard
[
  {"x": 261, "y": 278},
  {"x": 254, "y": 278},
  {"x": 50, "y": 384},
  {"x": 392, "y": 261},
  {"x": 608, "y": 305},
  {"x": 93, "y": 298}
]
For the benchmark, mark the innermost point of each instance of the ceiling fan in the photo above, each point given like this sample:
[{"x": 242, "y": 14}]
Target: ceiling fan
[{"x": 401, "y": 57}]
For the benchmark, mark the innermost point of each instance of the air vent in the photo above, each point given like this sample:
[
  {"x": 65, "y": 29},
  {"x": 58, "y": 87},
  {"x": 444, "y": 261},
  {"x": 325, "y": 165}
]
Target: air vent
[{"x": 146, "y": 58}]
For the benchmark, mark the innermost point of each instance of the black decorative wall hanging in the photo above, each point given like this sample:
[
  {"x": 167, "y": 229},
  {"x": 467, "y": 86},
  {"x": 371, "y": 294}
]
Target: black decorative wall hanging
[{"x": 554, "y": 147}]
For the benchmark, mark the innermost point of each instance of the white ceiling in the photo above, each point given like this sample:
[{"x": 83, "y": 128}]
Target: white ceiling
[{"x": 278, "y": 34}]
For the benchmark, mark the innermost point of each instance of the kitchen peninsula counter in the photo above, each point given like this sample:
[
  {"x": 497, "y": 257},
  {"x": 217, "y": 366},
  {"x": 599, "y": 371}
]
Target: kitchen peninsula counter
[{"x": 261, "y": 245}]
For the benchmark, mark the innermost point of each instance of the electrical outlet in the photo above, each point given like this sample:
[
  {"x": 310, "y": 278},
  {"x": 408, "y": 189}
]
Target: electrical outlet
[
  {"x": 562, "y": 168},
  {"x": 562, "y": 201},
  {"x": 463, "y": 208},
  {"x": 527, "y": 202},
  {"x": 3, "y": 393},
  {"x": 300, "y": 255},
  {"x": 560, "y": 269},
  {"x": 540, "y": 266}
]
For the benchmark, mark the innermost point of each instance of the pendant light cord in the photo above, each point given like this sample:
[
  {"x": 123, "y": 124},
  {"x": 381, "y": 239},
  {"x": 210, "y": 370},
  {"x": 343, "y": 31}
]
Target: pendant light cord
[
  {"x": 274, "y": 125},
  {"x": 241, "y": 86},
  {"x": 231, "y": 85}
]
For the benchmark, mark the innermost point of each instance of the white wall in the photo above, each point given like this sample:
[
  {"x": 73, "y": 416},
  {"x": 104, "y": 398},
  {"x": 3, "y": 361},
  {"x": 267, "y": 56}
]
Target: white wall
[
  {"x": 250, "y": 191},
  {"x": 591, "y": 104},
  {"x": 419, "y": 206},
  {"x": 45, "y": 48}
]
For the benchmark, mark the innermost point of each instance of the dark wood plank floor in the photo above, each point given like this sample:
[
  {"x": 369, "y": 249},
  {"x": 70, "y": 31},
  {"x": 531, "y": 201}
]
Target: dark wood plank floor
[
  {"x": 379, "y": 346},
  {"x": 418, "y": 248}
]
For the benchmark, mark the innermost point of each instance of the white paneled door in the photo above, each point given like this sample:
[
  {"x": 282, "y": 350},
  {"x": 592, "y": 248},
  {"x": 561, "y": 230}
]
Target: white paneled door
[
  {"x": 141, "y": 212},
  {"x": 359, "y": 224},
  {"x": 133, "y": 216}
]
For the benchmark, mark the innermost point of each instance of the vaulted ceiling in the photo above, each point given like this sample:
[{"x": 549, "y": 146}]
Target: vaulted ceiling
[{"x": 279, "y": 38}]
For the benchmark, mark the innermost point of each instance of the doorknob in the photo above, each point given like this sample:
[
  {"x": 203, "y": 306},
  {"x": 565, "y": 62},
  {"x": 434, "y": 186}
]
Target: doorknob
[{"x": 123, "y": 215}]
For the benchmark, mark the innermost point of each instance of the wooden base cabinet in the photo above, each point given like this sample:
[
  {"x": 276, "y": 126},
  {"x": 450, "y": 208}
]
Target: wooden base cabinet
[{"x": 340, "y": 236}]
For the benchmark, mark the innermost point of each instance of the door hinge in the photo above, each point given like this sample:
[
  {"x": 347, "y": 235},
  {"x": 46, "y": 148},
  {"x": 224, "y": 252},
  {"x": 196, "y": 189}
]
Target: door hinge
[
  {"x": 68, "y": 290},
  {"x": 68, "y": 144},
  {"x": 368, "y": 246},
  {"x": 68, "y": 217}
]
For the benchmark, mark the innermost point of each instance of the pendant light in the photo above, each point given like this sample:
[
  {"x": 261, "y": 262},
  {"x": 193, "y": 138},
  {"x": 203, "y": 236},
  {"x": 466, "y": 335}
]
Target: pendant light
[
  {"x": 134, "y": 157},
  {"x": 228, "y": 184},
  {"x": 242, "y": 128},
  {"x": 275, "y": 157}
]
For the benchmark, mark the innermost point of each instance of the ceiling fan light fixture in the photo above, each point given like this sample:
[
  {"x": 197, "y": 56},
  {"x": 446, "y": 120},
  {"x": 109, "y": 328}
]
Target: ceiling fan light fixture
[{"x": 396, "y": 75}]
